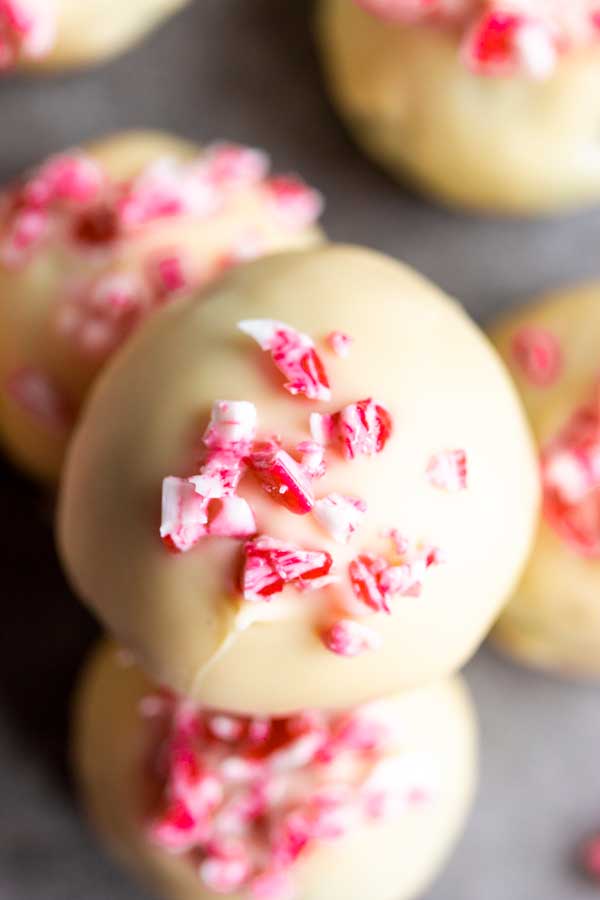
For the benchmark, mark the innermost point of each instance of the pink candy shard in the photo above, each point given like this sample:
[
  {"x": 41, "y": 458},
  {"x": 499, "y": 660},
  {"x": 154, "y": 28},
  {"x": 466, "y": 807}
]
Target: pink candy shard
[
  {"x": 340, "y": 515},
  {"x": 232, "y": 426},
  {"x": 503, "y": 43},
  {"x": 448, "y": 470},
  {"x": 295, "y": 204},
  {"x": 38, "y": 396},
  {"x": 234, "y": 166},
  {"x": 375, "y": 581},
  {"x": 282, "y": 477},
  {"x": 25, "y": 31},
  {"x": 233, "y": 517},
  {"x": 270, "y": 565},
  {"x": 294, "y": 354},
  {"x": 184, "y": 514},
  {"x": 349, "y": 638},
  {"x": 340, "y": 343},
  {"x": 312, "y": 458},
  {"x": 363, "y": 428},
  {"x": 225, "y": 871},
  {"x": 590, "y": 857},
  {"x": 571, "y": 481},
  {"x": 538, "y": 355}
]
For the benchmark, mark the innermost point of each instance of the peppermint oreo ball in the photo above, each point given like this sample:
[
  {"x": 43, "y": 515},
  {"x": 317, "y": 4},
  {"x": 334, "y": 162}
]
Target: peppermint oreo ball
[
  {"x": 95, "y": 240},
  {"x": 486, "y": 105},
  {"x": 59, "y": 34},
  {"x": 310, "y": 486},
  {"x": 553, "y": 619},
  {"x": 364, "y": 804}
]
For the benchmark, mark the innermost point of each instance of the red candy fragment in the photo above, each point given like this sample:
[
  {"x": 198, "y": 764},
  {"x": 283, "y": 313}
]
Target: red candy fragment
[
  {"x": 25, "y": 30},
  {"x": 375, "y": 581},
  {"x": 282, "y": 477},
  {"x": 232, "y": 426},
  {"x": 40, "y": 398},
  {"x": 590, "y": 858},
  {"x": 448, "y": 470},
  {"x": 295, "y": 204},
  {"x": 571, "y": 481},
  {"x": 270, "y": 565},
  {"x": 294, "y": 354},
  {"x": 312, "y": 458},
  {"x": 502, "y": 43},
  {"x": 349, "y": 638},
  {"x": 340, "y": 343},
  {"x": 340, "y": 515},
  {"x": 538, "y": 355},
  {"x": 360, "y": 429}
]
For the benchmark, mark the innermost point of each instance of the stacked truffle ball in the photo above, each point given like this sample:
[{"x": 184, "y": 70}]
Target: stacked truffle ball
[{"x": 288, "y": 499}]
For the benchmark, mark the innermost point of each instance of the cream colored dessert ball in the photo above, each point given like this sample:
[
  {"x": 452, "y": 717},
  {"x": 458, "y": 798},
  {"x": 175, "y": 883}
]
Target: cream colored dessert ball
[
  {"x": 94, "y": 240},
  {"x": 335, "y": 543},
  {"x": 553, "y": 620},
  {"x": 510, "y": 142},
  {"x": 56, "y": 34},
  {"x": 426, "y": 775}
]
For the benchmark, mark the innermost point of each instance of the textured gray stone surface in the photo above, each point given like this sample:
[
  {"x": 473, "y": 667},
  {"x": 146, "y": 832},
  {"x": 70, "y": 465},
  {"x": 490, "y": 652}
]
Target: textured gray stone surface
[{"x": 246, "y": 69}]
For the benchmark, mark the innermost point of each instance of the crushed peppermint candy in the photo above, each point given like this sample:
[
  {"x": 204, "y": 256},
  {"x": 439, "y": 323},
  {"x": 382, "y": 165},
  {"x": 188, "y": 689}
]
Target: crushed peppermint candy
[
  {"x": 359, "y": 429},
  {"x": 570, "y": 466},
  {"x": 295, "y": 204},
  {"x": 349, "y": 638},
  {"x": 448, "y": 470},
  {"x": 27, "y": 30},
  {"x": 376, "y": 580},
  {"x": 339, "y": 515},
  {"x": 284, "y": 479},
  {"x": 312, "y": 458},
  {"x": 340, "y": 343},
  {"x": 247, "y": 798},
  {"x": 537, "y": 353},
  {"x": 270, "y": 565},
  {"x": 40, "y": 398},
  {"x": 294, "y": 354},
  {"x": 501, "y": 39}
]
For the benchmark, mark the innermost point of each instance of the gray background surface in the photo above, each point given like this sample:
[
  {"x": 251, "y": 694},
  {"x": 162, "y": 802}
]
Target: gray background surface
[{"x": 247, "y": 70}]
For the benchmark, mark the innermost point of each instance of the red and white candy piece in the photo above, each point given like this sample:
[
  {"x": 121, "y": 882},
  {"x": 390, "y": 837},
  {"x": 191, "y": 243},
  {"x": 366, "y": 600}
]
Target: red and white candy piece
[
  {"x": 538, "y": 355},
  {"x": 282, "y": 477},
  {"x": 448, "y": 470},
  {"x": 295, "y": 204},
  {"x": 503, "y": 43},
  {"x": 312, "y": 458},
  {"x": 26, "y": 30},
  {"x": 339, "y": 515},
  {"x": 270, "y": 565},
  {"x": 359, "y": 429},
  {"x": 294, "y": 354},
  {"x": 232, "y": 426},
  {"x": 340, "y": 343},
  {"x": 349, "y": 638},
  {"x": 375, "y": 581}
]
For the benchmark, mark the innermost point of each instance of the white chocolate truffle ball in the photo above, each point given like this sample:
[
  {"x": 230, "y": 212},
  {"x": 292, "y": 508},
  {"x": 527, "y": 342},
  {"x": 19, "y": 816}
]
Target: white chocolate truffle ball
[
  {"x": 553, "y": 620},
  {"x": 58, "y": 34},
  {"x": 418, "y": 788},
  {"x": 95, "y": 240},
  {"x": 411, "y": 534},
  {"x": 486, "y": 113}
]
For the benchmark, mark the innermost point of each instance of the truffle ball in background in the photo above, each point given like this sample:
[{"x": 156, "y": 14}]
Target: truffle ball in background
[
  {"x": 94, "y": 240},
  {"x": 551, "y": 347},
  {"x": 349, "y": 521},
  {"x": 60, "y": 34},
  {"x": 481, "y": 106},
  {"x": 362, "y": 805}
]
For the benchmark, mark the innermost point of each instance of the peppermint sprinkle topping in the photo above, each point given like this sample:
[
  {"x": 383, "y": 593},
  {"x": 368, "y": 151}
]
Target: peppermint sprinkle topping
[
  {"x": 359, "y": 429},
  {"x": 448, "y": 470},
  {"x": 340, "y": 343},
  {"x": 247, "y": 807},
  {"x": 270, "y": 565},
  {"x": 340, "y": 515},
  {"x": 282, "y": 477},
  {"x": 349, "y": 638},
  {"x": 537, "y": 353},
  {"x": 294, "y": 354}
]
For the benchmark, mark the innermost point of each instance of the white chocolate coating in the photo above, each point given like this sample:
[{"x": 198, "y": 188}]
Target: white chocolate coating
[
  {"x": 35, "y": 293},
  {"x": 506, "y": 144},
  {"x": 553, "y": 620},
  {"x": 83, "y": 32},
  {"x": 415, "y": 352},
  {"x": 391, "y": 861}
]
